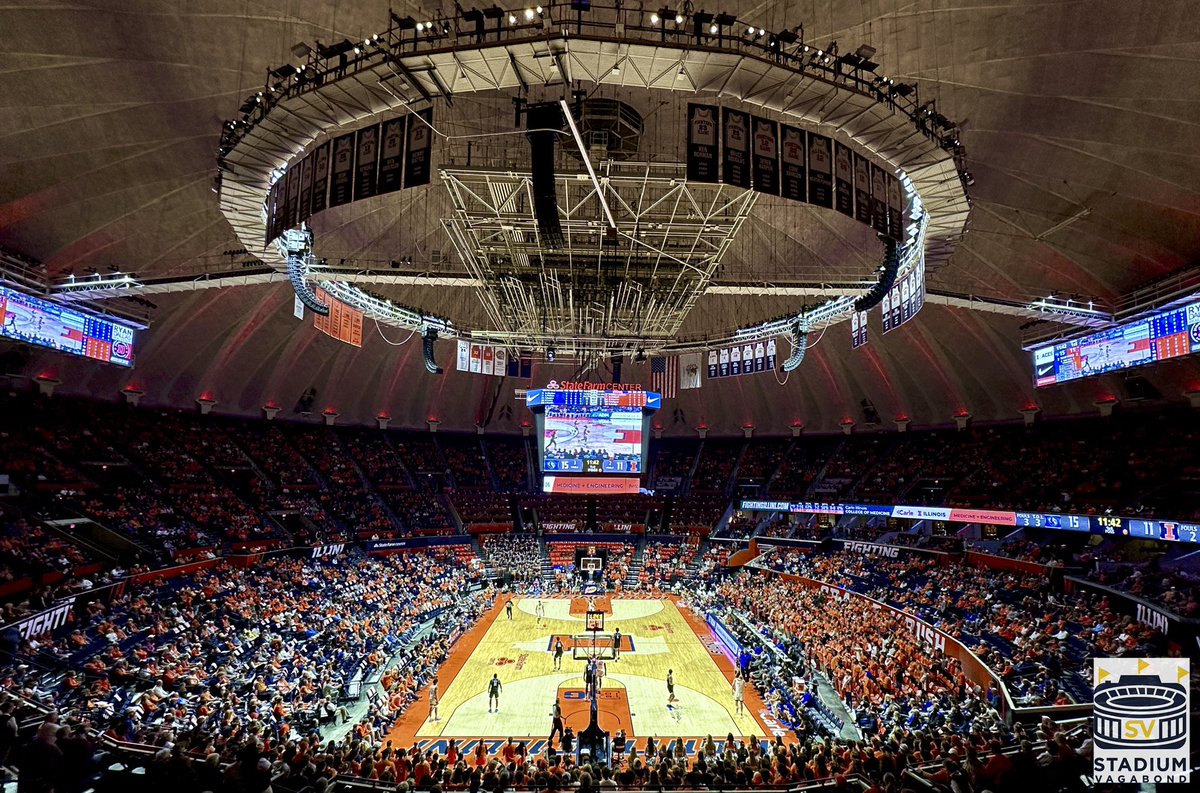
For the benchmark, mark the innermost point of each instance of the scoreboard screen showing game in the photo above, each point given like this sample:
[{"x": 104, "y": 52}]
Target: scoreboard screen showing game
[
  {"x": 1165, "y": 335},
  {"x": 603, "y": 439},
  {"x": 36, "y": 321}
]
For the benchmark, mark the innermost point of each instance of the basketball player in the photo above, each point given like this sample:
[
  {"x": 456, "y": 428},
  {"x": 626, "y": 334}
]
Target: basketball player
[
  {"x": 433, "y": 702},
  {"x": 508, "y": 608},
  {"x": 671, "y": 687},
  {"x": 556, "y": 721},
  {"x": 601, "y": 669},
  {"x": 617, "y": 645},
  {"x": 739, "y": 687},
  {"x": 540, "y": 611},
  {"x": 558, "y": 654},
  {"x": 552, "y": 443},
  {"x": 589, "y": 678},
  {"x": 494, "y": 689}
]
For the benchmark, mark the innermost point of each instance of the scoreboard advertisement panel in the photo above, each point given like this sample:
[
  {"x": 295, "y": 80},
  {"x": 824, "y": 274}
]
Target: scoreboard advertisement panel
[
  {"x": 36, "y": 321},
  {"x": 1142, "y": 528},
  {"x": 1160, "y": 337}
]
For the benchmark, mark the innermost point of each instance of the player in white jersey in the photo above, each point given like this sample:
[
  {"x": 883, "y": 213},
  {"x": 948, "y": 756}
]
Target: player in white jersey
[
  {"x": 540, "y": 611},
  {"x": 739, "y": 688},
  {"x": 433, "y": 702}
]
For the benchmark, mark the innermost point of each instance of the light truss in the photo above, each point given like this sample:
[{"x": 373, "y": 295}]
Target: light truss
[{"x": 621, "y": 288}]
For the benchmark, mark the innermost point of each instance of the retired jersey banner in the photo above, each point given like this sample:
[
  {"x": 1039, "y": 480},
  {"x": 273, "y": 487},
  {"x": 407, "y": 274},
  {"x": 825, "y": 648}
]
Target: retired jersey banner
[
  {"x": 897, "y": 308},
  {"x": 843, "y": 180},
  {"x": 741, "y": 360},
  {"x": 293, "y": 197},
  {"x": 342, "y": 188},
  {"x": 793, "y": 181},
  {"x": 906, "y": 298},
  {"x": 479, "y": 358},
  {"x": 820, "y": 170},
  {"x": 858, "y": 329},
  {"x": 879, "y": 218},
  {"x": 862, "y": 189},
  {"x": 271, "y": 207},
  {"x": 765, "y": 159},
  {"x": 702, "y": 142},
  {"x": 366, "y": 162},
  {"x": 391, "y": 155},
  {"x": 306, "y": 182},
  {"x": 418, "y": 159},
  {"x": 735, "y": 127},
  {"x": 885, "y": 312},
  {"x": 895, "y": 205},
  {"x": 320, "y": 188}
]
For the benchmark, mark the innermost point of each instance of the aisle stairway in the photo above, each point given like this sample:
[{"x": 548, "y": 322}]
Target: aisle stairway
[{"x": 634, "y": 574}]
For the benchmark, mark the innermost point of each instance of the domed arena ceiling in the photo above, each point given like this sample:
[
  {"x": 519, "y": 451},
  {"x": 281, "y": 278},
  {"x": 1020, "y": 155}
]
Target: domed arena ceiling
[{"x": 1077, "y": 124}]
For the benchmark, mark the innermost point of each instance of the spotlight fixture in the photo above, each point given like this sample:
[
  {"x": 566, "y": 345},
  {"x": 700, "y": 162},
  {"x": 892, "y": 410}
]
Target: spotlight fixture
[
  {"x": 551, "y": 354},
  {"x": 654, "y": 19},
  {"x": 679, "y": 19}
]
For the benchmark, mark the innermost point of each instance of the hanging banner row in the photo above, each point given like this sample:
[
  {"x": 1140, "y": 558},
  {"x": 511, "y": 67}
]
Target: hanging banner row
[
  {"x": 342, "y": 322},
  {"x": 742, "y": 360},
  {"x": 747, "y": 151},
  {"x": 371, "y": 161}
]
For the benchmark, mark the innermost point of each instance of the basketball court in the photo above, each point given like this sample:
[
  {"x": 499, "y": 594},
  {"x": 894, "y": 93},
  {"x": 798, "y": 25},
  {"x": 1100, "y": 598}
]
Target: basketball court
[{"x": 656, "y": 635}]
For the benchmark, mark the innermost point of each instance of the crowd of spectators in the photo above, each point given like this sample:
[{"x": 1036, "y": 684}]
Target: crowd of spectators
[
  {"x": 519, "y": 555},
  {"x": 666, "y": 565},
  {"x": 228, "y": 658},
  {"x": 1037, "y": 639},
  {"x": 912, "y": 708},
  {"x": 510, "y": 463}
]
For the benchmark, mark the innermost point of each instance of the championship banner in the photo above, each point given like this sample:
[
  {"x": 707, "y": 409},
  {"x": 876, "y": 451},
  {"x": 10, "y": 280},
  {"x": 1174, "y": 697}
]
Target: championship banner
[
  {"x": 735, "y": 160},
  {"x": 793, "y": 181},
  {"x": 342, "y": 322},
  {"x": 896, "y": 307},
  {"x": 320, "y": 188},
  {"x": 885, "y": 309},
  {"x": 417, "y": 159},
  {"x": 820, "y": 170},
  {"x": 306, "y": 183},
  {"x": 862, "y": 189},
  {"x": 366, "y": 162},
  {"x": 895, "y": 204},
  {"x": 689, "y": 370},
  {"x": 879, "y": 218},
  {"x": 843, "y": 178},
  {"x": 702, "y": 143},
  {"x": 391, "y": 155},
  {"x": 858, "y": 329},
  {"x": 287, "y": 218},
  {"x": 342, "y": 188},
  {"x": 765, "y": 151}
]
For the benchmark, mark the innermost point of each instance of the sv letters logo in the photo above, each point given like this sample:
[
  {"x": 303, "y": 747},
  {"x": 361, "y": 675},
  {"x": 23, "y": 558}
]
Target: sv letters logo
[{"x": 1140, "y": 720}]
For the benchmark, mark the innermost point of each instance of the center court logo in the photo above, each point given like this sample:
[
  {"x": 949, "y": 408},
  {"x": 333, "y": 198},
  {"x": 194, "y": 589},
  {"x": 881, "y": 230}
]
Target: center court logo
[{"x": 1140, "y": 720}]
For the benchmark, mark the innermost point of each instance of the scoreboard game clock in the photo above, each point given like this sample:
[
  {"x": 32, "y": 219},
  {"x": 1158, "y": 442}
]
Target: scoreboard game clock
[{"x": 594, "y": 431}]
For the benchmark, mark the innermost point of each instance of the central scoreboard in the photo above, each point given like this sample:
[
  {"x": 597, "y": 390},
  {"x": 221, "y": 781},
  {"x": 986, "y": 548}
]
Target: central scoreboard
[{"x": 592, "y": 440}]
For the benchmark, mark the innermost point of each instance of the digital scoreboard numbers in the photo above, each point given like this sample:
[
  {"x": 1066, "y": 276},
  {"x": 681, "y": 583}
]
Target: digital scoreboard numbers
[
  {"x": 1163, "y": 336},
  {"x": 35, "y": 321}
]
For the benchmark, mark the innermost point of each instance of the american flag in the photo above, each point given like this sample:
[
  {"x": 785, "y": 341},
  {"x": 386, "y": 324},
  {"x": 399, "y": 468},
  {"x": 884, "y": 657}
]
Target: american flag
[{"x": 664, "y": 376}]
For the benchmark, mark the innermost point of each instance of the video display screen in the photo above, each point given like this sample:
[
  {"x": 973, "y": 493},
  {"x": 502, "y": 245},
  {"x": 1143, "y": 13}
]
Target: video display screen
[
  {"x": 594, "y": 439},
  {"x": 1165, "y": 335},
  {"x": 35, "y": 321}
]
